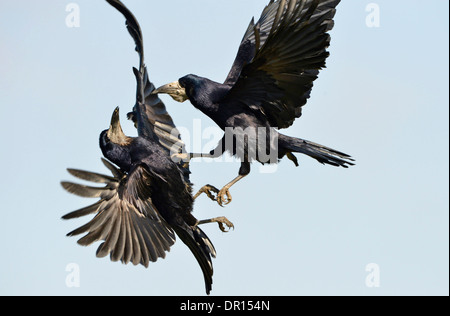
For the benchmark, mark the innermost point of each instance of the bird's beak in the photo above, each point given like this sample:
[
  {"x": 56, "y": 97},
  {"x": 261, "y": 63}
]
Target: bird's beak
[
  {"x": 115, "y": 133},
  {"x": 175, "y": 90}
]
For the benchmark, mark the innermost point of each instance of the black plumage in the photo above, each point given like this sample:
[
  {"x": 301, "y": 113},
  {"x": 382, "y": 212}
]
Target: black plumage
[
  {"x": 148, "y": 199},
  {"x": 270, "y": 81}
]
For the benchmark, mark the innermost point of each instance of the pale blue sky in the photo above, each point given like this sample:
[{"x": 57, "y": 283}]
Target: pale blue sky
[{"x": 309, "y": 230}]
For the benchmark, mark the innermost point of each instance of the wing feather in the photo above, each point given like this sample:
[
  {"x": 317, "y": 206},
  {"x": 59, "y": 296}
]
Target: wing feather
[
  {"x": 149, "y": 113},
  {"x": 91, "y": 176},
  {"x": 276, "y": 77},
  {"x": 130, "y": 226}
]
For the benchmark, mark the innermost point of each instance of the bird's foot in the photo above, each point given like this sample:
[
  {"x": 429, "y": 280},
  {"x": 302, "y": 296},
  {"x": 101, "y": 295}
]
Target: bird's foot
[
  {"x": 178, "y": 157},
  {"x": 224, "y": 196},
  {"x": 221, "y": 221},
  {"x": 209, "y": 190}
]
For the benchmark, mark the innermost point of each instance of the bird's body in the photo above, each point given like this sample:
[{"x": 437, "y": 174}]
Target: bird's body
[
  {"x": 171, "y": 194},
  {"x": 149, "y": 197},
  {"x": 208, "y": 97},
  {"x": 211, "y": 98},
  {"x": 270, "y": 81}
]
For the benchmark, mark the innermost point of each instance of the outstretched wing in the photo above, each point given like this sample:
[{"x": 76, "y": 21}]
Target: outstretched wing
[
  {"x": 280, "y": 57},
  {"x": 126, "y": 219},
  {"x": 255, "y": 36},
  {"x": 149, "y": 114}
]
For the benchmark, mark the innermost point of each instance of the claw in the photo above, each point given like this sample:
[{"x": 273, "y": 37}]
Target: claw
[
  {"x": 224, "y": 197},
  {"x": 224, "y": 220},
  {"x": 209, "y": 190},
  {"x": 219, "y": 220}
]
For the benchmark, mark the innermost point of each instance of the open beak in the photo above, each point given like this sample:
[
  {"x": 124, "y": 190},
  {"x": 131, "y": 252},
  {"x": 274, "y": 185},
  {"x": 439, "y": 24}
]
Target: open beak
[
  {"x": 175, "y": 90},
  {"x": 115, "y": 133}
]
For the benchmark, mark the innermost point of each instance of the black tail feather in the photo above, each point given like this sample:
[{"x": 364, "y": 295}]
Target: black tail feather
[
  {"x": 323, "y": 154},
  {"x": 202, "y": 248}
]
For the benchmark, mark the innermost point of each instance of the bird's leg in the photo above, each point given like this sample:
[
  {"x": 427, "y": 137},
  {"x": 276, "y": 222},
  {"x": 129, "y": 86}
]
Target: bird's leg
[
  {"x": 208, "y": 190},
  {"x": 219, "y": 220},
  {"x": 186, "y": 157},
  {"x": 224, "y": 196}
]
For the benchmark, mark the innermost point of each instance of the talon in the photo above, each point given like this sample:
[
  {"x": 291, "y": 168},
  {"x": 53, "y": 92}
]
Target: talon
[
  {"x": 224, "y": 197},
  {"x": 209, "y": 190},
  {"x": 224, "y": 220},
  {"x": 220, "y": 221}
]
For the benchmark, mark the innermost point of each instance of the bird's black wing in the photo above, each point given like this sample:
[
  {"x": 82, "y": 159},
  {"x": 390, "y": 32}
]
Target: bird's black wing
[
  {"x": 149, "y": 114},
  {"x": 280, "y": 57},
  {"x": 126, "y": 219},
  {"x": 255, "y": 36}
]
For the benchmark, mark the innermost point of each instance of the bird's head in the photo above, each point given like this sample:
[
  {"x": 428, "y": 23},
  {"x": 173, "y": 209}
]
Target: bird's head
[
  {"x": 114, "y": 143},
  {"x": 183, "y": 89},
  {"x": 175, "y": 90},
  {"x": 115, "y": 133},
  {"x": 201, "y": 92}
]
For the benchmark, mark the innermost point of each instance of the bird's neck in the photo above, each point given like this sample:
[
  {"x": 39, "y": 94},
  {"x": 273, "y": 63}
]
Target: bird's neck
[
  {"x": 115, "y": 153},
  {"x": 208, "y": 100}
]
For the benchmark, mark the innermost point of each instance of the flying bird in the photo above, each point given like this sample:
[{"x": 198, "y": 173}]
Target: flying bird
[
  {"x": 148, "y": 199},
  {"x": 270, "y": 81}
]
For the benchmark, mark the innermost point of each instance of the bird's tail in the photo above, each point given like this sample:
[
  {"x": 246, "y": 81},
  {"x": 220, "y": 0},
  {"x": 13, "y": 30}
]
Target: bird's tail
[
  {"x": 201, "y": 247},
  {"x": 325, "y": 155}
]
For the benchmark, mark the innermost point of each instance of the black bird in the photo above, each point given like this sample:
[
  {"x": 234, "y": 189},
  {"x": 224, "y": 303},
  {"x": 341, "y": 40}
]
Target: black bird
[
  {"x": 149, "y": 197},
  {"x": 270, "y": 81}
]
